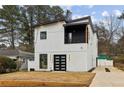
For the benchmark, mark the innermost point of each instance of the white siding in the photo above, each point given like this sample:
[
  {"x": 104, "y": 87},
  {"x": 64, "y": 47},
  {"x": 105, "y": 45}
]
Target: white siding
[
  {"x": 95, "y": 49},
  {"x": 74, "y": 61},
  {"x": 92, "y": 49},
  {"x": 55, "y": 40}
]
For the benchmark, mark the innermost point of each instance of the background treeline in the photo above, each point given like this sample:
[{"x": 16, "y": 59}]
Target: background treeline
[
  {"x": 16, "y": 23},
  {"x": 16, "y": 27},
  {"x": 110, "y": 32}
]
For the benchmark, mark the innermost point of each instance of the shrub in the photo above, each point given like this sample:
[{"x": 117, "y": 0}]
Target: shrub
[
  {"x": 6, "y": 63},
  {"x": 119, "y": 62},
  {"x": 119, "y": 59}
]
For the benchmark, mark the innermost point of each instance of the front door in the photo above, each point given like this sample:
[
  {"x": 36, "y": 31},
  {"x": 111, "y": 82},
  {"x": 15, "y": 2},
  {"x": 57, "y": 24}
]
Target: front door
[{"x": 59, "y": 62}]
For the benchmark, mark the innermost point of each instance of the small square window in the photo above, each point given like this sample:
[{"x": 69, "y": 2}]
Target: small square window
[{"x": 43, "y": 35}]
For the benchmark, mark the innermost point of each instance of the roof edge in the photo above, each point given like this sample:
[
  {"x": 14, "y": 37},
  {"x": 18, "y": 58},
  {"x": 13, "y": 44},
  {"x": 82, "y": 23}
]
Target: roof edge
[
  {"x": 63, "y": 19},
  {"x": 48, "y": 22},
  {"x": 78, "y": 19}
]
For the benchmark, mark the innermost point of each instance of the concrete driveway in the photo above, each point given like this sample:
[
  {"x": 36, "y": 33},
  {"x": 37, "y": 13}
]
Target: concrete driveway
[{"x": 114, "y": 78}]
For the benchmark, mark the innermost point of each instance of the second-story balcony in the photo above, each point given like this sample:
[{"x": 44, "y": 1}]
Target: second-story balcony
[{"x": 75, "y": 33}]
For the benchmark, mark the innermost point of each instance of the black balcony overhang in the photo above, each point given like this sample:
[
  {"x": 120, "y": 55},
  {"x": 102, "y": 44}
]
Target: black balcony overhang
[{"x": 76, "y": 24}]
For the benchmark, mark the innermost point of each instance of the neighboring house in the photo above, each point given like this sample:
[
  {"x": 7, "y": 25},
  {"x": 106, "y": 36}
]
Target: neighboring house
[
  {"x": 23, "y": 58},
  {"x": 65, "y": 46},
  {"x": 11, "y": 53},
  {"x": 19, "y": 56}
]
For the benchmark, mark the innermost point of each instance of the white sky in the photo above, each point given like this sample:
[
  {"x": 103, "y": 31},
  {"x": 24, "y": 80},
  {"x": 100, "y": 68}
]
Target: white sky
[
  {"x": 62, "y": 2},
  {"x": 0, "y": 6}
]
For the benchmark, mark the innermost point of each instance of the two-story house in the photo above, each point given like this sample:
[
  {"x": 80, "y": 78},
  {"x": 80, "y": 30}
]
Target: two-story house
[{"x": 65, "y": 46}]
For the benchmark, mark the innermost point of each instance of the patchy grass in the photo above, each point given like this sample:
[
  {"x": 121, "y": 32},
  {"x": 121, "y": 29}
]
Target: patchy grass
[{"x": 49, "y": 79}]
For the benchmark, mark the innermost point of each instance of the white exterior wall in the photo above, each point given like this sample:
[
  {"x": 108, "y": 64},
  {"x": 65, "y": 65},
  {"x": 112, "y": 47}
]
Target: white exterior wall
[
  {"x": 78, "y": 56},
  {"x": 55, "y": 40},
  {"x": 74, "y": 61},
  {"x": 95, "y": 49},
  {"x": 92, "y": 49}
]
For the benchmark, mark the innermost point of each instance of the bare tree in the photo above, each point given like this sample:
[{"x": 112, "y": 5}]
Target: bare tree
[
  {"x": 120, "y": 44},
  {"x": 107, "y": 32},
  {"x": 112, "y": 25}
]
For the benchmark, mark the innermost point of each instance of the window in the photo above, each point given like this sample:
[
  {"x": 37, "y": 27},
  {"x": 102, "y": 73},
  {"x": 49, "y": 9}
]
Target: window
[
  {"x": 75, "y": 34},
  {"x": 70, "y": 37},
  {"x": 43, "y": 35},
  {"x": 43, "y": 61},
  {"x": 87, "y": 35}
]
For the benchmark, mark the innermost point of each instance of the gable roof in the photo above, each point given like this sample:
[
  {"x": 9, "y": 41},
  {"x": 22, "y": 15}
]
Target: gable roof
[
  {"x": 25, "y": 54},
  {"x": 9, "y": 52},
  {"x": 15, "y": 52}
]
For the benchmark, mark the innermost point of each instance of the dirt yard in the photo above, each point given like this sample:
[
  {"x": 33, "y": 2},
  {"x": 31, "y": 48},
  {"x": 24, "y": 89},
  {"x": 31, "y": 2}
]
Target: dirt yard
[{"x": 49, "y": 79}]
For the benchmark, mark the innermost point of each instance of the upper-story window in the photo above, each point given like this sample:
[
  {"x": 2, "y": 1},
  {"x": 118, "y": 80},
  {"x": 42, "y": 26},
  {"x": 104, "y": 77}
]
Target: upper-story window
[{"x": 43, "y": 35}]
